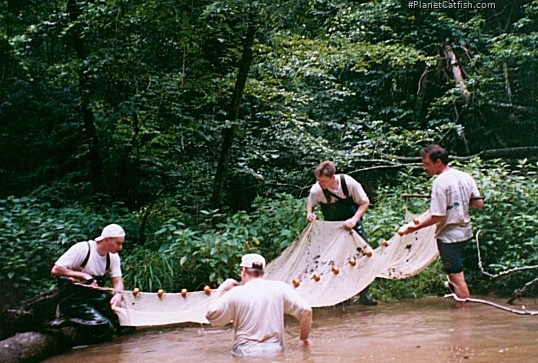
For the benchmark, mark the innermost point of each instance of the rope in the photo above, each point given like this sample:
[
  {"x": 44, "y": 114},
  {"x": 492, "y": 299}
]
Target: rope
[{"x": 104, "y": 289}]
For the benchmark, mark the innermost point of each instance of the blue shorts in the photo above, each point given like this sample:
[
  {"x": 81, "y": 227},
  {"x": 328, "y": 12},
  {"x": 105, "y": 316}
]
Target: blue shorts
[{"x": 450, "y": 254}]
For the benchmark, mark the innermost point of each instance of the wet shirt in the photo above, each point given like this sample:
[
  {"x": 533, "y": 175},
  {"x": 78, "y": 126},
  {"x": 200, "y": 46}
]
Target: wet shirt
[
  {"x": 96, "y": 265},
  {"x": 451, "y": 194},
  {"x": 257, "y": 310}
]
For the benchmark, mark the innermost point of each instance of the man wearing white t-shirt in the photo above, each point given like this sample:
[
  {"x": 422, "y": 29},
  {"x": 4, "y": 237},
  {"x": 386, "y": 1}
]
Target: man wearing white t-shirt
[
  {"x": 93, "y": 261},
  {"x": 257, "y": 307},
  {"x": 453, "y": 192}
]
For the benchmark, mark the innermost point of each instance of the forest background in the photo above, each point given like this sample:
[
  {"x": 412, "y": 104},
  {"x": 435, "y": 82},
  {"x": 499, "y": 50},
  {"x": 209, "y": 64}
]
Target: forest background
[{"x": 196, "y": 125}]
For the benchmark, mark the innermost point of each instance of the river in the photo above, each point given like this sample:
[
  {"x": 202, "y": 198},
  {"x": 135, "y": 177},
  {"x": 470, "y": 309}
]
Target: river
[{"x": 423, "y": 330}]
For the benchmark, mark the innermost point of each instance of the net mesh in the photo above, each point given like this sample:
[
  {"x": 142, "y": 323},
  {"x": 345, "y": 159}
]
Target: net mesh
[{"x": 327, "y": 263}]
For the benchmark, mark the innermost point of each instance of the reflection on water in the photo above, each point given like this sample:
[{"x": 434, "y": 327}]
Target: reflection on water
[{"x": 425, "y": 330}]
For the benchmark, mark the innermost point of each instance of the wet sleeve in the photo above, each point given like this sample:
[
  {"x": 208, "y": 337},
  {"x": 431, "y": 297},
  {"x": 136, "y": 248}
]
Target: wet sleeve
[
  {"x": 219, "y": 312},
  {"x": 295, "y": 304}
]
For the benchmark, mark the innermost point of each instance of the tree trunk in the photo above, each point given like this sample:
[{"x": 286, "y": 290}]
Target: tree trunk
[
  {"x": 510, "y": 153},
  {"x": 458, "y": 77},
  {"x": 35, "y": 347},
  {"x": 54, "y": 322},
  {"x": 228, "y": 133},
  {"x": 96, "y": 174},
  {"x": 421, "y": 95},
  {"x": 456, "y": 69}
]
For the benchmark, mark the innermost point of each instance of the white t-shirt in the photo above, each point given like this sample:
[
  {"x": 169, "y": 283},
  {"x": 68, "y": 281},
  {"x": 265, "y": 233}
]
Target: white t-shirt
[
  {"x": 354, "y": 188},
  {"x": 452, "y": 191},
  {"x": 257, "y": 310},
  {"x": 96, "y": 266}
]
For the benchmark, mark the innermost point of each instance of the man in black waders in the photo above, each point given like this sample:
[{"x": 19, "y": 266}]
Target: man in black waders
[
  {"x": 92, "y": 263},
  {"x": 341, "y": 198}
]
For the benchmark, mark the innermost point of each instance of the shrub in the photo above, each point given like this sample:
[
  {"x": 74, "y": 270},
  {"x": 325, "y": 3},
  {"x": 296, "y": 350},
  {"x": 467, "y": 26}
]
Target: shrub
[
  {"x": 188, "y": 258},
  {"x": 33, "y": 235}
]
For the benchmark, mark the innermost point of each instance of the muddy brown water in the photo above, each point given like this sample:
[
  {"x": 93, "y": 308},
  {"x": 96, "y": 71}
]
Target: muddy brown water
[{"x": 424, "y": 330}]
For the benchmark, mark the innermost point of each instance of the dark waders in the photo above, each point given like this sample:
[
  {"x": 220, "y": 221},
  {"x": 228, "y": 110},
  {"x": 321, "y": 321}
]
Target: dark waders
[
  {"x": 342, "y": 210},
  {"x": 89, "y": 311}
]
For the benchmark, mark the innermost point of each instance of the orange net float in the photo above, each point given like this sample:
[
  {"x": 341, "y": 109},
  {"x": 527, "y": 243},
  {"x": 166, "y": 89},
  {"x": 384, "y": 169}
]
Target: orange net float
[
  {"x": 160, "y": 293},
  {"x": 207, "y": 290},
  {"x": 184, "y": 292},
  {"x": 136, "y": 290},
  {"x": 296, "y": 282}
]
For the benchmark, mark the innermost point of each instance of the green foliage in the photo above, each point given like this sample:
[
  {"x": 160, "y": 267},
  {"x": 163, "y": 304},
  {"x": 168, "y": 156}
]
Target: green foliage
[
  {"x": 507, "y": 223},
  {"x": 347, "y": 81},
  {"x": 430, "y": 282},
  {"x": 179, "y": 257},
  {"x": 210, "y": 253},
  {"x": 278, "y": 222},
  {"x": 33, "y": 234},
  {"x": 387, "y": 213},
  {"x": 182, "y": 254},
  {"x": 329, "y": 81}
]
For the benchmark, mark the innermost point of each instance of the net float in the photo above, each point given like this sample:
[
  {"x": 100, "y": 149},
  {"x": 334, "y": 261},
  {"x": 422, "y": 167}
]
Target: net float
[
  {"x": 335, "y": 270},
  {"x": 160, "y": 293},
  {"x": 136, "y": 290},
  {"x": 405, "y": 228},
  {"x": 352, "y": 261},
  {"x": 207, "y": 290},
  {"x": 184, "y": 292},
  {"x": 367, "y": 253},
  {"x": 316, "y": 277},
  {"x": 296, "y": 282},
  {"x": 385, "y": 243}
]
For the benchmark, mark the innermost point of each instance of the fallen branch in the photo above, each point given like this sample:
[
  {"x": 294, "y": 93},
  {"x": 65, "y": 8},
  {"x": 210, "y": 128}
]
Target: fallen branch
[
  {"x": 518, "y": 292},
  {"x": 507, "y": 272},
  {"x": 36, "y": 346},
  {"x": 522, "y": 311}
]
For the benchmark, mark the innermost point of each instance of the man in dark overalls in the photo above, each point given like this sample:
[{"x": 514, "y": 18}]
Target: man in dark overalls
[
  {"x": 92, "y": 263},
  {"x": 341, "y": 198}
]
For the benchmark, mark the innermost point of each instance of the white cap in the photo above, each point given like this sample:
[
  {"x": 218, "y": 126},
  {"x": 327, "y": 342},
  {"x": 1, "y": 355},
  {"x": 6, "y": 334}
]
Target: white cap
[
  {"x": 111, "y": 231},
  {"x": 250, "y": 259}
]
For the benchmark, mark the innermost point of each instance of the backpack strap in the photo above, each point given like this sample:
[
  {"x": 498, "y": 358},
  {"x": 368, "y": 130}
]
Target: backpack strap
[
  {"x": 87, "y": 256},
  {"x": 85, "y": 262},
  {"x": 328, "y": 194},
  {"x": 344, "y": 185}
]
